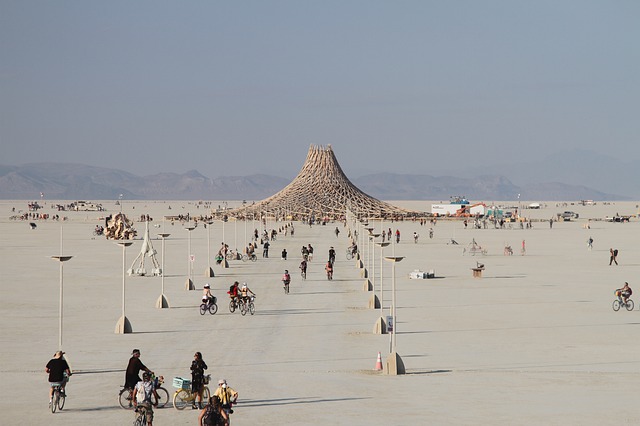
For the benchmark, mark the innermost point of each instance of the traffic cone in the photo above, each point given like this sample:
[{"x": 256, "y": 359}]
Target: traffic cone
[{"x": 379, "y": 363}]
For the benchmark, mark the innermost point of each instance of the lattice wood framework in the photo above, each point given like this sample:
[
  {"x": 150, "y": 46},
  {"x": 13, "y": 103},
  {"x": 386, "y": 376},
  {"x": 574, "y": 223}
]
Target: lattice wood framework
[{"x": 320, "y": 190}]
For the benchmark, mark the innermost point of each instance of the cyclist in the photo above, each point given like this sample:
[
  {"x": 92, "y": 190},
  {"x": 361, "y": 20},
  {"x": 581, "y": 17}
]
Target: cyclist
[
  {"x": 305, "y": 253},
  {"x": 625, "y": 292},
  {"x": 57, "y": 367},
  {"x": 329, "y": 268},
  {"x": 286, "y": 279},
  {"x": 354, "y": 249},
  {"x": 207, "y": 297},
  {"x": 226, "y": 396},
  {"x": 142, "y": 393},
  {"x": 332, "y": 255},
  {"x": 303, "y": 268},
  {"x": 197, "y": 378},
  {"x": 310, "y": 250},
  {"x": 244, "y": 293},
  {"x": 131, "y": 377},
  {"x": 233, "y": 290}
]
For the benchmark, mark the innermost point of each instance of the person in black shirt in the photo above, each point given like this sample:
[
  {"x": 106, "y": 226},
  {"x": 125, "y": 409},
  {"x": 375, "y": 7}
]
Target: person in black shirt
[
  {"x": 131, "y": 377},
  {"x": 57, "y": 367},
  {"x": 197, "y": 378}
]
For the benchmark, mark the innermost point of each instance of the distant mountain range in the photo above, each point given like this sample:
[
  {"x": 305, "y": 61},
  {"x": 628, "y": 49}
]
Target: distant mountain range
[{"x": 81, "y": 182}]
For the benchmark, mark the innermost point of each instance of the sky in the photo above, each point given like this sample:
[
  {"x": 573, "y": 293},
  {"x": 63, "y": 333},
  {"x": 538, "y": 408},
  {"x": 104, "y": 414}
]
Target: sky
[{"x": 234, "y": 88}]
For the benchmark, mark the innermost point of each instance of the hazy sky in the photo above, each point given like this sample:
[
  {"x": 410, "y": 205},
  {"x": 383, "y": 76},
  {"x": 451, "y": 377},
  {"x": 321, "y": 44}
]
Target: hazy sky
[{"x": 243, "y": 87}]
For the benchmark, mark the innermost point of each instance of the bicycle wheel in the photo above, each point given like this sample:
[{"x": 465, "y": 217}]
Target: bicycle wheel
[
  {"x": 124, "y": 398},
  {"x": 629, "y": 305},
  {"x": 245, "y": 257},
  {"x": 252, "y": 308},
  {"x": 616, "y": 305},
  {"x": 141, "y": 419},
  {"x": 203, "y": 308},
  {"x": 213, "y": 308},
  {"x": 254, "y": 258},
  {"x": 232, "y": 306},
  {"x": 163, "y": 397},
  {"x": 61, "y": 399},
  {"x": 181, "y": 399},
  {"x": 205, "y": 395},
  {"x": 229, "y": 256},
  {"x": 349, "y": 255},
  {"x": 54, "y": 402},
  {"x": 243, "y": 309}
]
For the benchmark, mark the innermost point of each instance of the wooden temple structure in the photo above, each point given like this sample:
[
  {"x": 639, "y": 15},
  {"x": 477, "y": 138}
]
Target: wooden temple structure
[{"x": 321, "y": 190}]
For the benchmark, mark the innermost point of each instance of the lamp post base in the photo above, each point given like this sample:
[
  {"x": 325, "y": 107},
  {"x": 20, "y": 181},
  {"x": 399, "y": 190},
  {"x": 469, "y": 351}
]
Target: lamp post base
[
  {"x": 209, "y": 273},
  {"x": 123, "y": 326},
  {"x": 380, "y": 326},
  {"x": 189, "y": 285},
  {"x": 394, "y": 365},
  {"x": 367, "y": 286},
  {"x": 162, "y": 302},
  {"x": 374, "y": 302}
]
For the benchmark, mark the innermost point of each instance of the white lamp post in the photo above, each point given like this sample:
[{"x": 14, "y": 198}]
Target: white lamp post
[
  {"x": 381, "y": 324},
  {"x": 61, "y": 259},
  {"x": 124, "y": 326},
  {"x": 189, "y": 284},
  {"x": 162, "y": 300},
  {"x": 209, "y": 272},
  {"x": 394, "y": 365}
]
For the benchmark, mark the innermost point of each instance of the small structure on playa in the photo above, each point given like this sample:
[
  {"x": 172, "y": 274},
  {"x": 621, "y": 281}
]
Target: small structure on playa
[
  {"x": 120, "y": 228},
  {"x": 146, "y": 250}
]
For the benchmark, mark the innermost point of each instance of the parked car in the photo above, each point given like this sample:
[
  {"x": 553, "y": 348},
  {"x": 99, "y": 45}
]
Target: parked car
[{"x": 569, "y": 215}]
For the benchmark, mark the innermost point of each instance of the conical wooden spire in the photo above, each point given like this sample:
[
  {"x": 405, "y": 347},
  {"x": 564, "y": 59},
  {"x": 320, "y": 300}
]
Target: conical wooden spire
[{"x": 321, "y": 189}]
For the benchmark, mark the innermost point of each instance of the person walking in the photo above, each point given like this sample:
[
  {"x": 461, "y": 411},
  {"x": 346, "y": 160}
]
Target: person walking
[
  {"x": 613, "y": 256},
  {"x": 197, "y": 379},
  {"x": 265, "y": 249},
  {"x": 590, "y": 243}
]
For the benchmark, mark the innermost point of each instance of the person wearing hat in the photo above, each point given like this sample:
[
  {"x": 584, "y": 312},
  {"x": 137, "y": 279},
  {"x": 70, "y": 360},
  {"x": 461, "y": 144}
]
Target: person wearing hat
[
  {"x": 143, "y": 395},
  {"x": 57, "y": 367},
  {"x": 226, "y": 395},
  {"x": 244, "y": 293},
  {"x": 207, "y": 297},
  {"x": 131, "y": 377}
]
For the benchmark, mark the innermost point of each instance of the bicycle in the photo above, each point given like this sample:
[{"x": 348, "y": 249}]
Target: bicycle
[
  {"x": 303, "y": 273},
  {"x": 350, "y": 254},
  {"x": 618, "y": 303},
  {"x": 125, "y": 396},
  {"x": 233, "y": 255},
  {"x": 234, "y": 303},
  {"x": 141, "y": 418},
  {"x": 184, "y": 396},
  {"x": 58, "y": 399},
  {"x": 247, "y": 306},
  {"x": 209, "y": 305},
  {"x": 251, "y": 257}
]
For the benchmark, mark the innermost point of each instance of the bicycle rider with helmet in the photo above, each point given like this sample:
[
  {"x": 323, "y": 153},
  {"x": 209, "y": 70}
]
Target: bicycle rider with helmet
[
  {"x": 142, "y": 396},
  {"x": 207, "y": 297},
  {"x": 244, "y": 293}
]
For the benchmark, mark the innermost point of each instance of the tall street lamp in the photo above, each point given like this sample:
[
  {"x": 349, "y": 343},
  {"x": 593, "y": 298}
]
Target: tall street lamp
[
  {"x": 209, "y": 272},
  {"x": 394, "y": 364},
  {"x": 189, "y": 284},
  {"x": 162, "y": 300},
  {"x": 123, "y": 326},
  {"x": 381, "y": 324},
  {"x": 61, "y": 259}
]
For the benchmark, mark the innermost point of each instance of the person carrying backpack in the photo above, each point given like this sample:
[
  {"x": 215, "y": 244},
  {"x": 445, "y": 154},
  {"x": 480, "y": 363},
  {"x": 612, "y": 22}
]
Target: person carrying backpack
[{"x": 213, "y": 414}]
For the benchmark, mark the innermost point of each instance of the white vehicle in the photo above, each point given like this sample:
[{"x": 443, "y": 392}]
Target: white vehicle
[{"x": 87, "y": 206}]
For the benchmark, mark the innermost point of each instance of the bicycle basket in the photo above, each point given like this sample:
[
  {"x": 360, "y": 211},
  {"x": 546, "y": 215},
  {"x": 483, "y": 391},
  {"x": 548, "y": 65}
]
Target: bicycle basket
[
  {"x": 181, "y": 383},
  {"x": 207, "y": 378}
]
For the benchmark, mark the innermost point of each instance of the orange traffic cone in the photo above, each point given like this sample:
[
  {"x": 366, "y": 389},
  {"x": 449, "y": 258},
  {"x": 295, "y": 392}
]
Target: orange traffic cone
[{"x": 379, "y": 363}]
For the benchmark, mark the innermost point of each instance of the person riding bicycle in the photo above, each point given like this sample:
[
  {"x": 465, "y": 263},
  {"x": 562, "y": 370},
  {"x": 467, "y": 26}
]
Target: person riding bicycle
[
  {"x": 233, "y": 290},
  {"x": 226, "y": 396},
  {"x": 310, "y": 251},
  {"x": 332, "y": 255},
  {"x": 304, "y": 252},
  {"x": 329, "y": 268},
  {"x": 131, "y": 377},
  {"x": 142, "y": 394},
  {"x": 207, "y": 297},
  {"x": 354, "y": 249},
  {"x": 59, "y": 372},
  {"x": 303, "y": 267},
  {"x": 286, "y": 278},
  {"x": 244, "y": 293},
  {"x": 624, "y": 292}
]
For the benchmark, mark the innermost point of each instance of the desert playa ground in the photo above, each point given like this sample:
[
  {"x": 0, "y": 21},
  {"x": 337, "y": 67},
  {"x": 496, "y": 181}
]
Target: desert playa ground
[{"x": 533, "y": 342}]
